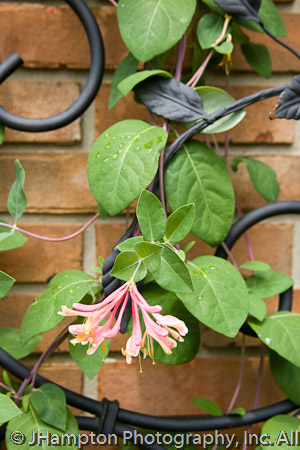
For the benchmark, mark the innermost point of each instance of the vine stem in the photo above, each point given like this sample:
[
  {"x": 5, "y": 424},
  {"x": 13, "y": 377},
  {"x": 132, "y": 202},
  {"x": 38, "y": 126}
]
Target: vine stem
[
  {"x": 180, "y": 58},
  {"x": 230, "y": 255},
  {"x": 197, "y": 75},
  {"x": 6, "y": 388},
  {"x": 161, "y": 173},
  {"x": 44, "y": 238},
  {"x": 113, "y": 2},
  {"x": 279, "y": 41},
  {"x": 246, "y": 234},
  {"x": 32, "y": 374}
]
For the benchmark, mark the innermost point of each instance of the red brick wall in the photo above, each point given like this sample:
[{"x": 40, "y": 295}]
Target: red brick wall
[{"x": 51, "y": 41}]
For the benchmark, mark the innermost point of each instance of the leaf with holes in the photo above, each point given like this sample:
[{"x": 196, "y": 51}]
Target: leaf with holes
[
  {"x": 66, "y": 288},
  {"x": 150, "y": 27},
  {"x": 213, "y": 99},
  {"x": 262, "y": 176},
  {"x": 123, "y": 161},
  {"x": 220, "y": 298},
  {"x": 127, "y": 67},
  {"x": 288, "y": 104},
  {"x": 151, "y": 217},
  {"x": 171, "y": 99},
  {"x": 197, "y": 175},
  {"x": 130, "y": 82},
  {"x": 173, "y": 273},
  {"x": 280, "y": 332},
  {"x": 17, "y": 201}
]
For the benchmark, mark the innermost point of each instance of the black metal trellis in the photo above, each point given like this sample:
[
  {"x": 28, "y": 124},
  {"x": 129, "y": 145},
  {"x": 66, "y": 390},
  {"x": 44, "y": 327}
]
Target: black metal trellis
[{"x": 109, "y": 417}]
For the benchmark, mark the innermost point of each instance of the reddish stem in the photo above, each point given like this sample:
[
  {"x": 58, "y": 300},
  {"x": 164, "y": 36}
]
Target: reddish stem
[
  {"x": 230, "y": 255},
  {"x": 180, "y": 57},
  {"x": 246, "y": 235},
  {"x": 161, "y": 173},
  {"x": 196, "y": 77},
  {"x": 114, "y": 2}
]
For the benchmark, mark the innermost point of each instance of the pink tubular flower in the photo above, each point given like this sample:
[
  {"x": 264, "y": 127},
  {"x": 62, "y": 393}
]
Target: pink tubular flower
[{"x": 92, "y": 333}]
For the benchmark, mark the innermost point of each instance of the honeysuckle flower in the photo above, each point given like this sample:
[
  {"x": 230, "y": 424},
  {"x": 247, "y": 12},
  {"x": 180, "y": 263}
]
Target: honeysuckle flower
[{"x": 165, "y": 330}]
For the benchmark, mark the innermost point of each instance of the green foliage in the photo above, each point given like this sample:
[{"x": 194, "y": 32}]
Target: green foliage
[
  {"x": 262, "y": 176},
  {"x": 180, "y": 222},
  {"x": 286, "y": 375},
  {"x": 123, "y": 161},
  {"x": 197, "y": 175},
  {"x": 256, "y": 265},
  {"x": 2, "y": 133},
  {"x": 258, "y": 57},
  {"x": 226, "y": 48},
  {"x": 49, "y": 404},
  {"x": 8, "y": 409},
  {"x": 257, "y": 307},
  {"x": 66, "y": 288},
  {"x": 267, "y": 284},
  {"x": 149, "y": 28},
  {"x": 220, "y": 298},
  {"x": 210, "y": 407},
  {"x": 130, "y": 82},
  {"x": 6, "y": 283},
  {"x": 209, "y": 29},
  {"x": 129, "y": 243},
  {"x": 17, "y": 201},
  {"x": 151, "y": 217},
  {"x": 126, "y": 264},
  {"x": 10, "y": 341},
  {"x": 10, "y": 239},
  {"x": 150, "y": 254},
  {"x": 126, "y": 68},
  {"x": 271, "y": 18},
  {"x": 278, "y": 431},
  {"x": 280, "y": 332}
]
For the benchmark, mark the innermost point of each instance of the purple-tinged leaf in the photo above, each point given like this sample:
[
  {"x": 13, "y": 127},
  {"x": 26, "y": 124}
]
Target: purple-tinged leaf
[
  {"x": 171, "y": 99},
  {"x": 241, "y": 9},
  {"x": 288, "y": 105}
]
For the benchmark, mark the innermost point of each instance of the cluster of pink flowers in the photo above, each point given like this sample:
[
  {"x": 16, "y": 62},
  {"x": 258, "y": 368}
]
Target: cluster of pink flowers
[{"x": 166, "y": 330}]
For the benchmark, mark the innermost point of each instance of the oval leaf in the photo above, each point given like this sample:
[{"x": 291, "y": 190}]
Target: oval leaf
[
  {"x": 129, "y": 243},
  {"x": 126, "y": 264},
  {"x": 17, "y": 201},
  {"x": 150, "y": 27},
  {"x": 262, "y": 176},
  {"x": 288, "y": 105},
  {"x": 8, "y": 409},
  {"x": 151, "y": 217},
  {"x": 170, "y": 99},
  {"x": 49, "y": 403},
  {"x": 180, "y": 222},
  {"x": 197, "y": 175},
  {"x": 210, "y": 407},
  {"x": 280, "y": 332},
  {"x": 123, "y": 161},
  {"x": 6, "y": 283},
  {"x": 256, "y": 265},
  {"x": 220, "y": 299},
  {"x": 209, "y": 29},
  {"x": 150, "y": 254},
  {"x": 173, "y": 273},
  {"x": 258, "y": 57},
  {"x": 286, "y": 375},
  {"x": 126, "y": 68},
  {"x": 267, "y": 284},
  {"x": 278, "y": 432},
  {"x": 257, "y": 307},
  {"x": 130, "y": 82},
  {"x": 66, "y": 288},
  {"x": 10, "y": 341},
  {"x": 10, "y": 239}
]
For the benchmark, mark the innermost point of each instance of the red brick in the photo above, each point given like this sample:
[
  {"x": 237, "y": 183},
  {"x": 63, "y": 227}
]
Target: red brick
[
  {"x": 287, "y": 169},
  {"x": 107, "y": 235},
  {"x": 55, "y": 183},
  {"x": 60, "y": 36},
  {"x": 12, "y": 313},
  {"x": 38, "y": 260},
  {"x": 214, "y": 378},
  {"x": 38, "y": 99},
  {"x": 282, "y": 59}
]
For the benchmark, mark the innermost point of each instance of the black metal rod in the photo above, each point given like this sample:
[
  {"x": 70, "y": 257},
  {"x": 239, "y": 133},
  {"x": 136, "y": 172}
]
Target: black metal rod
[{"x": 88, "y": 93}]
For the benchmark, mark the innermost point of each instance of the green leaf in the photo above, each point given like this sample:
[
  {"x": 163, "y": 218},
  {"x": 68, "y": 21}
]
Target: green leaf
[
  {"x": 286, "y": 375},
  {"x": 130, "y": 82},
  {"x": 278, "y": 431},
  {"x": 150, "y": 254},
  {"x": 240, "y": 411},
  {"x": 180, "y": 222},
  {"x": 6, "y": 283},
  {"x": 129, "y": 243},
  {"x": 8, "y": 409},
  {"x": 238, "y": 35},
  {"x": 123, "y": 161},
  {"x": 258, "y": 57},
  {"x": 2, "y": 133},
  {"x": 10, "y": 341},
  {"x": 89, "y": 364},
  {"x": 271, "y": 18},
  {"x": 209, "y": 29},
  {"x": 280, "y": 332},
  {"x": 197, "y": 175},
  {"x": 210, "y": 407},
  {"x": 25, "y": 403},
  {"x": 151, "y": 217},
  {"x": 126, "y": 264},
  {"x": 173, "y": 273},
  {"x": 257, "y": 307},
  {"x": 49, "y": 404},
  {"x": 214, "y": 6},
  {"x": 267, "y": 284},
  {"x": 10, "y": 239},
  {"x": 187, "y": 350},
  {"x": 220, "y": 299},
  {"x": 262, "y": 176},
  {"x": 213, "y": 99},
  {"x": 188, "y": 246},
  {"x": 150, "y": 27},
  {"x": 226, "y": 48},
  {"x": 126, "y": 68},
  {"x": 65, "y": 288},
  {"x": 256, "y": 265},
  {"x": 16, "y": 203},
  {"x": 29, "y": 425}
]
